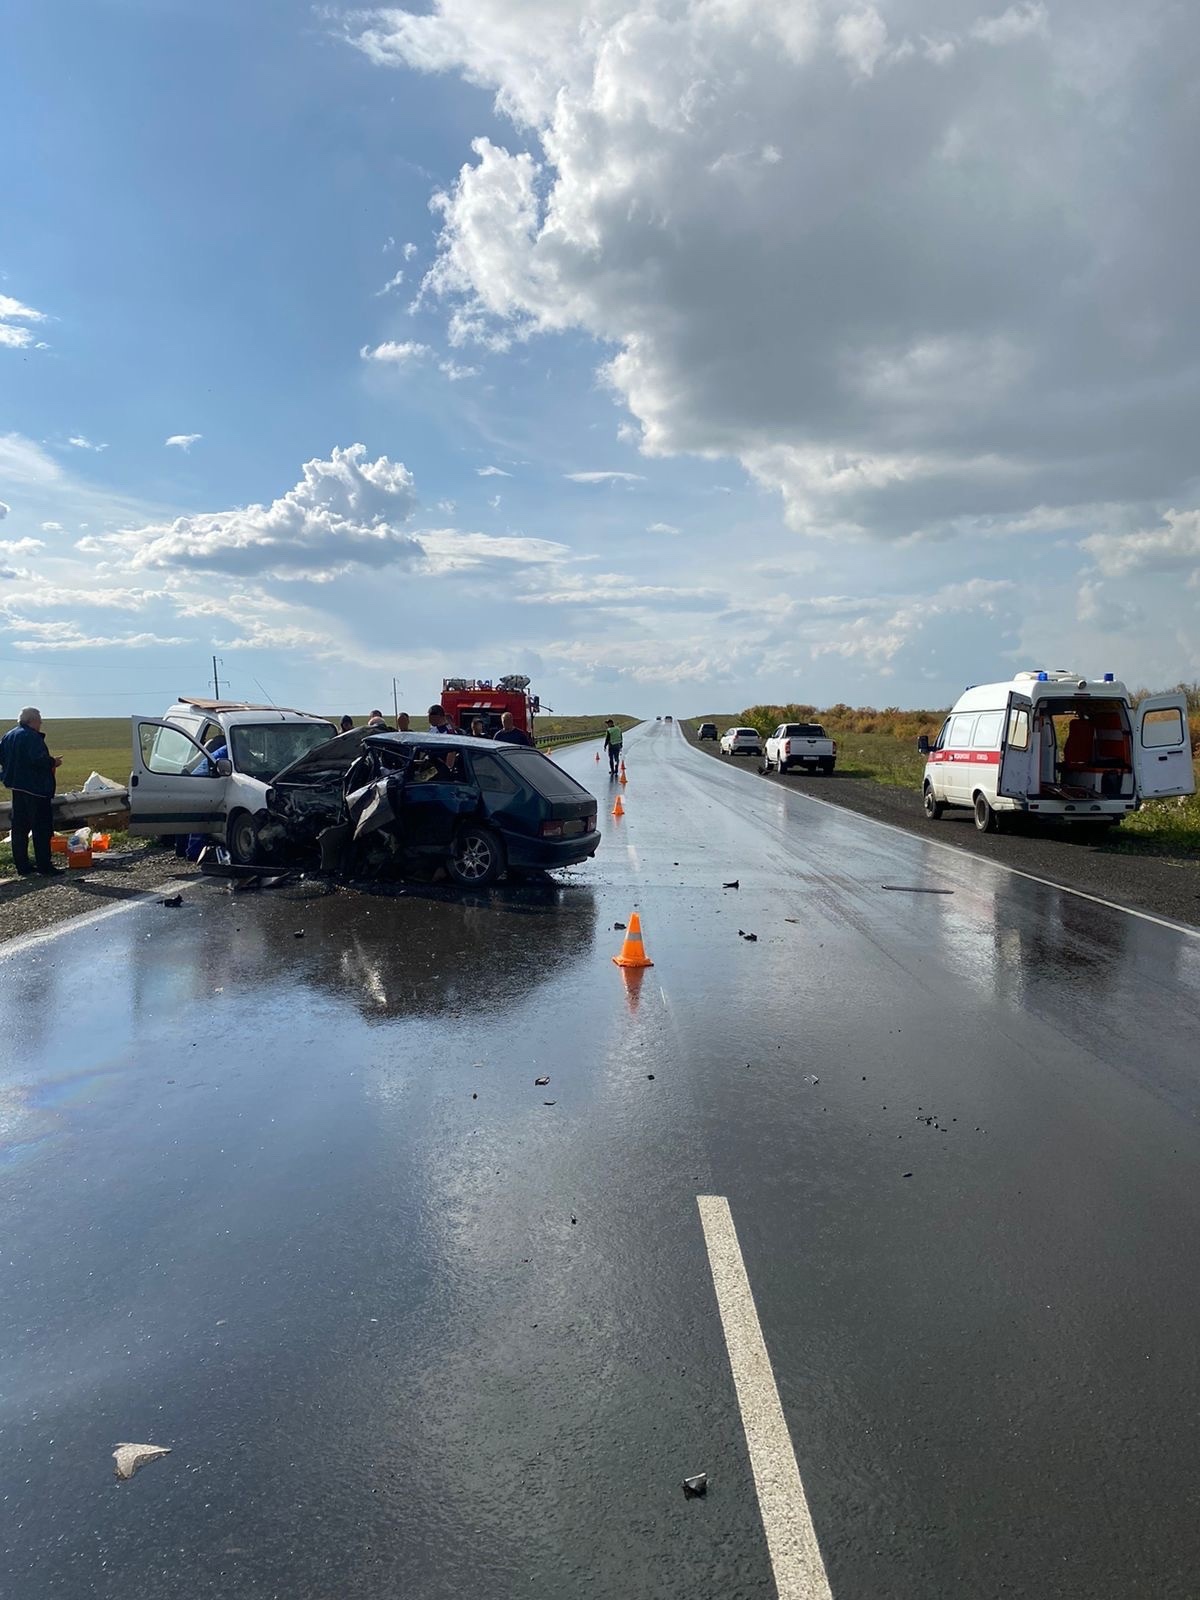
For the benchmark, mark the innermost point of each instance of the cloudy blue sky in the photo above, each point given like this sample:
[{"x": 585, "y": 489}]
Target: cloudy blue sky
[{"x": 681, "y": 353}]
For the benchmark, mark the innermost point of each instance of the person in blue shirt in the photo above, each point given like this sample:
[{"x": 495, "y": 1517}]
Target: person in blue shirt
[{"x": 28, "y": 769}]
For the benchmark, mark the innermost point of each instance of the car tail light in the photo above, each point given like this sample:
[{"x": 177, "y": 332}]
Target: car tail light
[
  {"x": 787, "y": 747},
  {"x": 589, "y": 822},
  {"x": 552, "y": 830}
]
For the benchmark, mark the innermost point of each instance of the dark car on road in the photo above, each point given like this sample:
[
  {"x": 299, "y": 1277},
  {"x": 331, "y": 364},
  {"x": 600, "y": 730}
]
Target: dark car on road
[
  {"x": 386, "y": 803},
  {"x": 708, "y": 730}
]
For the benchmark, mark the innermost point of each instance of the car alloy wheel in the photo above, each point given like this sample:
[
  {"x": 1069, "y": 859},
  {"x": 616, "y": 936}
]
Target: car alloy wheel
[
  {"x": 475, "y": 857},
  {"x": 933, "y": 806}
]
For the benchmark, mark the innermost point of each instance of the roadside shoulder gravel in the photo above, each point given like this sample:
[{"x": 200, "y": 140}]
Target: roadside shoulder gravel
[
  {"x": 1162, "y": 885},
  {"x": 29, "y": 905}
]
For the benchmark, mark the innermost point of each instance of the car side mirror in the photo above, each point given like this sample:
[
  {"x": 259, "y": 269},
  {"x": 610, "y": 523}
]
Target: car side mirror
[
  {"x": 923, "y": 744},
  {"x": 223, "y": 768}
]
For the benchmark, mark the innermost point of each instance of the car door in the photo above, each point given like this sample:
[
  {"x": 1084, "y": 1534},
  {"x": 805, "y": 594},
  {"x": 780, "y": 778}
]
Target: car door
[
  {"x": 433, "y": 810},
  {"x": 956, "y": 754},
  {"x": 1162, "y": 751},
  {"x": 172, "y": 785},
  {"x": 1014, "y": 777}
]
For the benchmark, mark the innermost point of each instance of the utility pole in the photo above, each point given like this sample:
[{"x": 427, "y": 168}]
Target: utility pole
[
  {"x": 216, "y": 680},
  {"x": 395, "y": 702}
]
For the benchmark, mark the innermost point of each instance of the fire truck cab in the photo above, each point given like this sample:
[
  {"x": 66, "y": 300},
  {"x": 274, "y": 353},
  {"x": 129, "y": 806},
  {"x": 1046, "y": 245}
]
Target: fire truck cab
[{"x": 464, "y": 699}]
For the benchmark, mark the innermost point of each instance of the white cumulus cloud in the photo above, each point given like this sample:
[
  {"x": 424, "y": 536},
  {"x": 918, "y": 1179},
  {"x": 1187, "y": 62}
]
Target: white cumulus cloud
[
  {"x": 13, "y": 314},
  {"x": 182, "y": 441},
  {"x": 396, "y": 353},
  {"x": 345, "y": 511},
  {"x": 662, "y": 527},
  {"x": 492, "y": 472},
  {"x": 80, "y": 441},
  {"x": 904, "y": 296},
  {"x": 20, "y": 547}
]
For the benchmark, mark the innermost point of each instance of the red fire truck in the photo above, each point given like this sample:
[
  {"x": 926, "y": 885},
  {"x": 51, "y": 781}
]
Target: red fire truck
[{"x": 464, "y": 699}]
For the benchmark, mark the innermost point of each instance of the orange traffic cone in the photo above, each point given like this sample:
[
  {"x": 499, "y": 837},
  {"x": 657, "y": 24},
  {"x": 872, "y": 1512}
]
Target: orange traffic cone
[
  {"x": 597, "y": 755},
  {"x": 624, "y": 779},
  {"x": 618, "y": 810},
  {"x": 633, "y": 953}
]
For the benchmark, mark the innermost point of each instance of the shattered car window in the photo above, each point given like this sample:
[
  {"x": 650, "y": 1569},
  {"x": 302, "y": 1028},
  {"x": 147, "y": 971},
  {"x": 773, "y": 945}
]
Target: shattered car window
[{"x": 262, "y": 751}]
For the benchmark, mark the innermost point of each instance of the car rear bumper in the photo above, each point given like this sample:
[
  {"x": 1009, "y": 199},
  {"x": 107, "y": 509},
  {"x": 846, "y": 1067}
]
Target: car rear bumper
[{"x": 546, "y": 853}]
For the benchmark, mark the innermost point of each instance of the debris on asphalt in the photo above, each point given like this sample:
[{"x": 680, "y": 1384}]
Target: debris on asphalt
[
  {"x": 540, "y": 1083},
  {"x": 574, "y": 1220},
  {"x": 694, "y": 1487},
  {"x": 550, "y": 1103},
  {"x": 810, "y": 1078},
  {"x": 734, "y": 885},
  {"x": 172, "y": 900},
  {"x": 908, "y": 888},
  {"x": 298, "y": 934},
  {"x": 906, "y": 1174},
  {"x": 750, "y": 938},
  {"x": 650, "y": 1076},
  {"x": 474, "y": 1095},
  {"x": 244, "y": 885},
  {"x": 791, "y": 919},
  {"x": 617, "y": 925},
  {"x": 129, "y": 1457}
]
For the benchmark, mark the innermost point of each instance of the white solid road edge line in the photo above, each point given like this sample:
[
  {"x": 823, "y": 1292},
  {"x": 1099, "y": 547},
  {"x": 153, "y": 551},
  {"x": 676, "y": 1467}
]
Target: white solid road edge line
[
  {"x": 1017, "y": 872},
  {"x": 787, "y": 1522},
  {"x": 28, "y": 941}
]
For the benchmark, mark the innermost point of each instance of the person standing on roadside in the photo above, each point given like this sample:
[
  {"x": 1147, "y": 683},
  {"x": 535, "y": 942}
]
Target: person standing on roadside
[
  {"x": 403, "y": 723},
  {"x": 509, "y": 732},
  {"x": 28, "y": 769},
  {"x": 439, "y": 722},
  {"x": 612, "y": 743}
]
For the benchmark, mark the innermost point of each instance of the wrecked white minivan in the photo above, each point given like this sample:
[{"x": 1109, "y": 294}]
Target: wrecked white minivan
[
  {"x": 1057, "y": 747},
  {"x": 205, "y": 766}
]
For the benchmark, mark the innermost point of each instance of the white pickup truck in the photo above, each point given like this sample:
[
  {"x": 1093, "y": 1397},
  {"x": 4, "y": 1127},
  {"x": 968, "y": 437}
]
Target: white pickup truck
[{"x": 800, "y": 744}]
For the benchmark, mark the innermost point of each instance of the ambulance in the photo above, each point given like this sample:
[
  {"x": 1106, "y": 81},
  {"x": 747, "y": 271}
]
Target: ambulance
[{"x": 1057, "y": 747}]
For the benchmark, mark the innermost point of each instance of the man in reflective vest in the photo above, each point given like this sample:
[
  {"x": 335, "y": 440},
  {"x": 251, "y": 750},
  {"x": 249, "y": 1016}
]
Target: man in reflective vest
[{"x": 612, "y": 743}]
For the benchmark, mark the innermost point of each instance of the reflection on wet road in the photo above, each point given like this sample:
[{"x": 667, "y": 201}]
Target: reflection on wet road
[{"x": 295, "y": 1207}]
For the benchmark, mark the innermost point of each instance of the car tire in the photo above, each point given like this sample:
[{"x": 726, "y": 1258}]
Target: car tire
[
  {"x": 986, "y": 820},
  {"x": 782, "y": 768},
  {"x": 827, "y": 768},
  {"x": 476, "y": 857},
  {"x": 933, "y": 806},
  {"x": 241, "y": 839}
]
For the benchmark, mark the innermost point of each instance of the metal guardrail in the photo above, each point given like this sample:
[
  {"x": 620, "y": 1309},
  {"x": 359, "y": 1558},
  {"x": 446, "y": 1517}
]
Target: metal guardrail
[{"x": 547, "y": 741}]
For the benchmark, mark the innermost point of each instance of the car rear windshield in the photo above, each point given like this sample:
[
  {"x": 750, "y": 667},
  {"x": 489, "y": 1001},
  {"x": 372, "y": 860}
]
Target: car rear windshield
[
  {"x": 262, "y": 750},
  {"x": 747, "y": 733},
  {"x": 537, "y": 770},
  {"x": 804, "y": 730}
]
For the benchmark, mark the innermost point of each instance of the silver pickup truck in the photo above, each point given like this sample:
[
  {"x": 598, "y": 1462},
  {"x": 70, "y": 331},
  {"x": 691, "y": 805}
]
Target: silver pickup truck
[{"x": 800, "y": 744}]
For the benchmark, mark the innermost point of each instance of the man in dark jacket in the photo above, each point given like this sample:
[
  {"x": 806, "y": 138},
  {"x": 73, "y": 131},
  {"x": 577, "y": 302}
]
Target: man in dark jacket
[
  {"x": 28, "y": 768},
  {"x": 509, "y": 732}
]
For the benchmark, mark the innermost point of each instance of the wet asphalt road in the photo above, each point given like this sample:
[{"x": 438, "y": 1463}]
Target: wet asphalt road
[{"x": 252, "y": 1210}]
